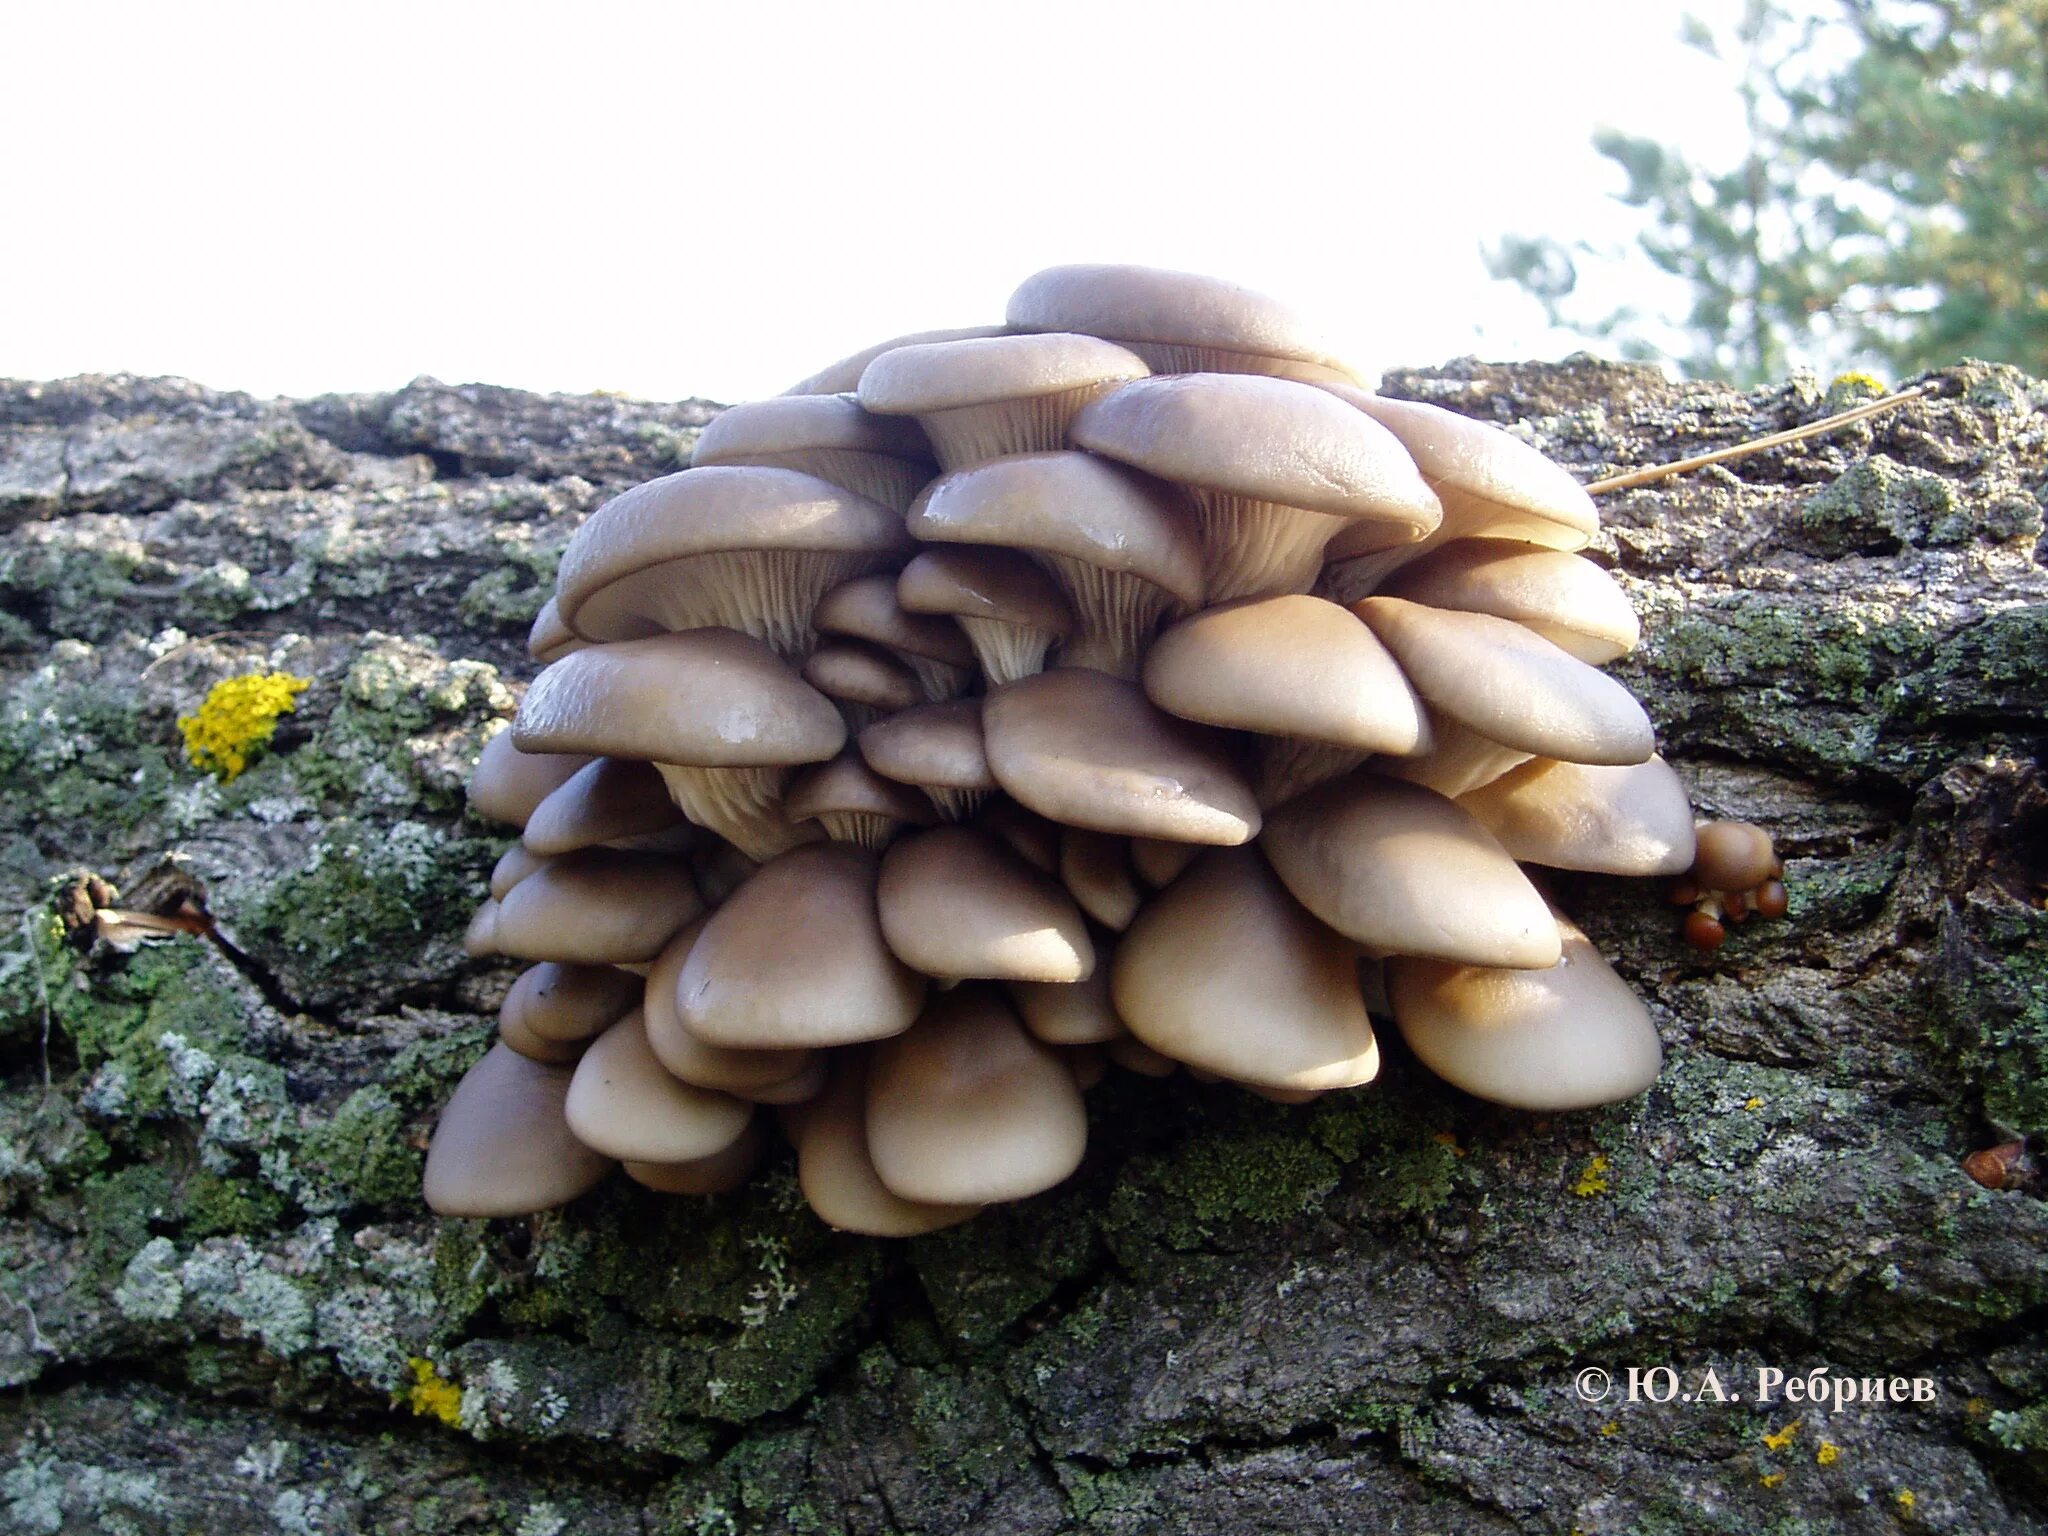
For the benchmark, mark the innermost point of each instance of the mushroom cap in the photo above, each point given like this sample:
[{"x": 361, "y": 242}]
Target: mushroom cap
[
  {"x": 954, "y": 375},
  {"x": 983, "y": 582},
  {"x": 1286, "y": 666},
  {"x": 1157, "y": 306},
  {"x": 617, "y": 579},
  {"x": 837, "y": 1175},
  {"x": 843, "y": 377},
  {"x": 623, "y": 1102},
  {"x": 938, "y": 745},
  {"x": 508, "y": 781},
  {"x": 862, "y": 674},
  {"x": 1067, "y": 504},
  {"x": 1029, "y": 835},
  {"x": 1090, "y": 750},
  {"x": 550, "y": 637},
  {"x": 1096, "y": 870},
  {"x": 867, "y": 608},
  {"x": 957, "y": 902},
  {"x": 1565, "y": 598},
  {"x": 1401, "y": 870},
  {"x": 1223, "y": 971},
  {"x": 599, "y": 906},
  {"x": 1633, "y": 820},
  {"x": 1071, "y": 1012},
  {"x": 480, "y": 938},
  {"x": 1457, "y": 760},
  {"x": 1564, "y": 1038},
  {"x": 514, "y": 865},
  {"x": 793, "y": 423},
  {"x": 568, "y": 1004},
  {"x": 503, "y": 1146},
  {"x": 1488, "y": 481},
  {"x": 796, "y": 958},
  {"x": 1264, "y": 439},
  {"x": 601, "y": 802},
  {"x": 746, "y": 1074},
  {"x": 1733, "y": 856},
  {"x": 705, "y": 698},
  {"x": 723, "y": 1171},
  {"x": 847, "y": 785},
  {"x": 966, "y": 1108},
  {"x": 1159, "y": 862},
  {"x": 1510, "y": 685}
]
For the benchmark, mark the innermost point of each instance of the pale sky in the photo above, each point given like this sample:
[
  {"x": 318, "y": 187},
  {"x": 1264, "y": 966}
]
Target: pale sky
[{"x": 717, "y": 199}]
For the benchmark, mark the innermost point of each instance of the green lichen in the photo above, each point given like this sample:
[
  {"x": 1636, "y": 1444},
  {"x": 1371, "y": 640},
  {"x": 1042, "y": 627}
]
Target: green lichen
[{"x": 1878, "y": 506}]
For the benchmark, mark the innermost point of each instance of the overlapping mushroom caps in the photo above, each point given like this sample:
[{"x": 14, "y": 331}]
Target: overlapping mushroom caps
[{"x": 1121, "y": 684}]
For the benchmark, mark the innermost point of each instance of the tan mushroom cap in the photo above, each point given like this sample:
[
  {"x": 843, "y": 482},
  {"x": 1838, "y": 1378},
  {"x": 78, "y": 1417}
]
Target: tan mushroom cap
[
  {"x": 838, "y": 1176},
  {"x": 1009, "y": 609},
  {"x": 1071, "y": 1012},
  {"x": 549, "y": 637},
  {"x": 1565, "y": 598},
  {"x": 936, "y": 747},
  {"x": 722, "y": 1172},
  {"x": 480, "y": 938},
  {"x": 1457, "y": 761},
  {"x": 552, "y": 1010},
  {"x": 985, "y": 397},
  {"x": 599, "y": 906},
  {"x": 865, "y": 675},
  {"x": 1287, "y": 666},
  {"x": 513, "y": 866},
  {"x": 1512, "y": 686},
  {"x": 843, "y": 377},
  {"x": 1274, "y": 468},
  {"x": 1028, "y": 835},
  {"x": 1490, "y": 484},
  {"x": 1402, "y": 870},
  {"x": 828, "y": 436},
  {"x": 746, "y": 1074},
  {"x": 602, "y": 802},
  {"x": 1090, "y": 750},
  {"x": 966, "y": 1108},
  {"x": 707, "y": 698},
  {"x": 623, "y": 1102},
  {"x": 1733, "y": 856},
  {"x": 1096, "y": 870},
  {"x": 1223, "y": 971},
  {"x": 1177, "y": 322},
  {"x": 1159, "y": 862},
  {"x": 503, "y": 1146},
  {"x": 796, "y": 958},
  {"x": 508, "y": 782},
  {"x": 868, "y": 608},
  {"x": 740, "y": 547},
  {"x": 957, "y": 902},
  {"x": 1633, "y": 820},
  {"x": 1564, "y": 1038},
  {"x": 854, "y": 804}
]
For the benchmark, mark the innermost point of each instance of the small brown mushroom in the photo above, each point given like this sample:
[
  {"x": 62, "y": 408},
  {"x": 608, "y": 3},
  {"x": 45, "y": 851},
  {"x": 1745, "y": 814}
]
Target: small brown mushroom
[{"x": 503, "y": 1146}]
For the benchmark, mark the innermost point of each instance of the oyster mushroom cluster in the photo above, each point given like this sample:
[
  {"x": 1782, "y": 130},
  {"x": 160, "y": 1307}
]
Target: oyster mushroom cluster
[{"x": 1124, "y": 684}]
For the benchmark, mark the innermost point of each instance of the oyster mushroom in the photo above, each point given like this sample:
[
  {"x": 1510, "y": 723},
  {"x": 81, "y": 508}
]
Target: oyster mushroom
[
  {"x": 623, "y": 1103},
  {"x": 599, "y": 906},
  {"x": 843, "y": 377},
  {"x": 852, "y": 803},
  {"x": 937, "y": 748},
  {"x": 837, "y": 1173},
  {"x": 868, "y": 609},
  {"x": 1631, "y": 820},
  {"x": 828, "y": 436},
  {"x": 508, "y": 782},
  {"x": 1009, "y": 609},
  {"x": 503, "y": 1146},
  {"x": 1565, "y": 598},
  {"x": 956, "y": 903},
  {"x": 554, "y": 1010},
  {"x": 766, "y": 1076},
  {"x": 609, "y": 800}
]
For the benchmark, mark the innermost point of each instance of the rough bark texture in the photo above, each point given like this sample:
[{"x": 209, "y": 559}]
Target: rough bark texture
[{"x": 222, "y": 1309}]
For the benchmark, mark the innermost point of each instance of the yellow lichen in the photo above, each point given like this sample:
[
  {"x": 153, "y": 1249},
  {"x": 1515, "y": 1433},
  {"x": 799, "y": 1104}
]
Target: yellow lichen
[
  {"x": 433, "y": 1395},
  {"x": 1610, "y": 1428},
  {"x": 1906, "y": 1500},
  {"x": 1753, "y": 1104},
  {"x": 1772, "y": 1479},
  {"x": 1828, "y": 1454},
  {"x": 239, "y": 715},
  {"x": 1777, "y": 1440},
  {"x": 1593, "y": 1177},
  {"x": 1449, "y": 1141},
  {"x": 1855, "y": 379}
]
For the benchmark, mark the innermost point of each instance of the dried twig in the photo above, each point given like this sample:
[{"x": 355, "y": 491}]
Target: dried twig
[{"x": 1655, "y": 472}]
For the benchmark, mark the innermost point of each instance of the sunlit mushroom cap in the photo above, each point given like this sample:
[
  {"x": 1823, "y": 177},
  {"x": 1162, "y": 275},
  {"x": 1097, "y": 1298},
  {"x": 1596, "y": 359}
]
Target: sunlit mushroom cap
[
  {"x": 1457, "y": 760},
  {"x": 707, "y": 698},
  {"x": 723, "y": 1171},
  {"x": 1176, "y": 321},
  {"x": 979, "y": 582},
  {"x": 624, "y": 1103},
  {"x": 1489, "y": 482},
  {"x": 1101, "y": 515},
  {"x": 553, "y": 1009},
  {"x": 952, "y": 375},
  {"x": 957, "y": 902},
  {"x": 508, "y": 781},
  {"x": 933, "y": 746},
  {"x": 643, "y": 563},
  {"x": 1224, "y": 971},
  {"x": 1090, "y": 750},
  {"x": 1633, "y": 820},
  {"x": 843, "y": 377},
  {"x": 829, "y": 436},
  {"x": 965, "y": 1107},
  {"x": 1565, "y": 598},
  {"x": 744, "y": 1073},
  {"x": 1510, "y": 685},
  {"x": 599, "y": 906},
  {"x": 1286, "y": 666},
  {"x": 838, "y": 1176},
  {"x": 602, "y": 802},
  {"x": 796, "y": 958},
  {"x": 1568, "y": 1037},
  {"x": 1402, "y": 870},
  {"x": 503, "y": 1146}
]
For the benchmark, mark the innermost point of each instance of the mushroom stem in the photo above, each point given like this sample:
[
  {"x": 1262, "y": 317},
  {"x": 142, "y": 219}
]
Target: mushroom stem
[
  {"x": 1289, "y": 765},
  {"x": 974, "y": 434},
  {"x": 1006, "y": 651},
  {"x": 742, "y": 805},
  {"x": 1116, "y": 614}
]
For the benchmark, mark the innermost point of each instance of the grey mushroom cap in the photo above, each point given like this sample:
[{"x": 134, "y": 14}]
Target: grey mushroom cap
[
  {"x": 932, "y": 746},
  {"x": 600, "y": 906},
  {"x": 550, "y": 637},
  {"x": 843, "y": 376},
  {"x": 838, "y": 1175},
  {"x": 508, "y": 781},
  {"x": 748, "y": 1074},
  {"x": 1632, "y": 820},
  {"x": 956, "y": 375},
  {"x": 624, "y": 1103},
  {"x": 604, "y": 801},
  {"x": 790, "y": 423},
  {"x": 1565, "y": 598},
  {"x": 868, "y": 608},
  {"x": 720, "y": 1173},
  {"x": 503, "y": 1146},
  {"x": 956, "y": 902},
  {"x": 553, "y": 1010},
  {"x": 513, "y": 866}
]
